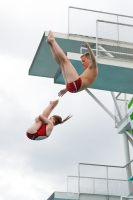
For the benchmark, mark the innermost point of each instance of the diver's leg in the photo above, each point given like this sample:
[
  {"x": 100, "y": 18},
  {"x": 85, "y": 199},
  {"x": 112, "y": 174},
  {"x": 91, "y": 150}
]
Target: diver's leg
[
  {"x": 70, "y": 72},
  {"x": 34, "y": 127},
  {"x": 49, "y": 108}
]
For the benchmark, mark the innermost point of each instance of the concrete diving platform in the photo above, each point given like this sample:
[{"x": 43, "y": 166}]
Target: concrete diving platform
[
  {"x": 114, "y": 74},
  {"x": 75, "y": 196}
]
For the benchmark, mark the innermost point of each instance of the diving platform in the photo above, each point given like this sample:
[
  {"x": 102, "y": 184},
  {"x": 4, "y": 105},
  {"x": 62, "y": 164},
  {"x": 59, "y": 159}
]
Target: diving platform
[
  {"x": 115, "y": 73},
  {"x": 74, "y": 196},
  {"x": 97, "y": 182},
  {"x": 63, "y": 196}
]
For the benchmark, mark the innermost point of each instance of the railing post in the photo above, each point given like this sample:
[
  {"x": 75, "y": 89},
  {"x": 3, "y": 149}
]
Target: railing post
[
  {"x": 93, "y": 185},
  {"x": 68, "y": 21},
  {"x": 79, "y": 178},
  {"x": 117, "y": 30},
  {"x": 107, "y": 182},
  {"x": 97, "y": 40},
  {"x": 125, "y": 104},
  {"x": 67, "y": 184}
]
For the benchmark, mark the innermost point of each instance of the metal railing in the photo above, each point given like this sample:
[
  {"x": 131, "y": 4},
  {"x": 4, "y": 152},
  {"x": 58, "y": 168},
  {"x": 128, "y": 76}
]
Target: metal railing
[
  {"x": 105, "y": 52},
  {"x": 78, "y": 17},
  {"x": 119, "y": 31},
  {"x": 100, "y": 179},
  {"x": 72, "y": 184},
  {"x": 118, "y": 46},
  {"x": 114, "y": 40}
]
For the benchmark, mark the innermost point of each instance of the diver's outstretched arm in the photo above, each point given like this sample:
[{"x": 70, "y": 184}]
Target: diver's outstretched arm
[{"x": 92, "y": 55}]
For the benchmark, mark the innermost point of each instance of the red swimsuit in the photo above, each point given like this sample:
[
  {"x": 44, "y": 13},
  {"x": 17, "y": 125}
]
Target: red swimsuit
[
  {"x": 40, "y": 132},
  {"x": 74, "y": 86}
]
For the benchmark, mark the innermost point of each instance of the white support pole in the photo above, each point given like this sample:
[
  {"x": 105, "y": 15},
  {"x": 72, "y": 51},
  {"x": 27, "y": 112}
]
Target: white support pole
[
  {"x": 126, "y": 147},
  {"x": 125, "y": 104},
  {"x": 116, "y": 105},
  {"x": 131, "y": 142},
  {"x": 129, "y": 135},
  {"x": 111, "y": 115},
  {"x": 127, "y": 158},
  {"x": 105, "y": 51}
]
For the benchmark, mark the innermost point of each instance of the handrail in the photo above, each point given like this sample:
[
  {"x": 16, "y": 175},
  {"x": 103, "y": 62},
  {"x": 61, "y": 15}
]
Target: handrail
[
  {"x": 93, "y": 178},
  {"x": 110, "y": 22},
  {"x": 101, "y": 12},
  {"x": 107, "y": 178},
  {"x": 118, "y": 40},
  {"x": 107, "y": 165},
  {"x": 127, "y": 54},
  {"x": 110, "y": 179}
]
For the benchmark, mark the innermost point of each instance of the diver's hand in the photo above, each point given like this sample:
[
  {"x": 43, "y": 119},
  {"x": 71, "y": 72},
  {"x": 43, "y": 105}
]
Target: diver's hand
[{"x": 62, "y": 92}]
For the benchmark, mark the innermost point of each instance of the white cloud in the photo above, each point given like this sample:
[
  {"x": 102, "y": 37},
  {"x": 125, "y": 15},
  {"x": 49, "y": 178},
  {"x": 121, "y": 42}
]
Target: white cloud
[{"x": 19, "y": 181}]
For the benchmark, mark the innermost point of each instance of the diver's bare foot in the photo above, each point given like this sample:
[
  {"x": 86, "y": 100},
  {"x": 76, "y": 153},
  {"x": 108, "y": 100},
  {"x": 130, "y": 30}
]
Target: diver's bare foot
[
  {"x": 50, "y": 37},
  {"x": 54, "y": 103}
]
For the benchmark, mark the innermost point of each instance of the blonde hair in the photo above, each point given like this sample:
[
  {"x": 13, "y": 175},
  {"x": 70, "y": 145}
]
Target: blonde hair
[
  {"x": 87, "y": 55},
  {"x": 58, "y": 119}
]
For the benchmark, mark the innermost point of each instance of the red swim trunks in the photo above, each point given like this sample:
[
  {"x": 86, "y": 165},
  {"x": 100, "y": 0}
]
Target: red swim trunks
[
  {"x": 40, "y": 132},
  {"x": 74, "y": 86}
]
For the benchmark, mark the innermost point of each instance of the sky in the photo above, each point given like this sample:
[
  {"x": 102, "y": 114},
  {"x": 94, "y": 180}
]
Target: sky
[{"x": 33, "y": 170}]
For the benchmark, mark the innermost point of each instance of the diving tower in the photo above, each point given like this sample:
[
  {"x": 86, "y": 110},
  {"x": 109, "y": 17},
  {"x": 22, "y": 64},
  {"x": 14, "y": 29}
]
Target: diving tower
[
  {"x": 114, "y": 74},
  {"x": 112, "y": 43},
  {"x": 97, "y": 182}
]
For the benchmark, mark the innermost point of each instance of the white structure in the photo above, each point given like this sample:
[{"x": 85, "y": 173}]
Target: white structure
[{"x": 114, "y": 47}]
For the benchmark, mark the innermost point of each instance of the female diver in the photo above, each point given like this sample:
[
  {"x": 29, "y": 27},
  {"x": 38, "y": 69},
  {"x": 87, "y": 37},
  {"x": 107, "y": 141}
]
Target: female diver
[{"x": 42, "y": 127}]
